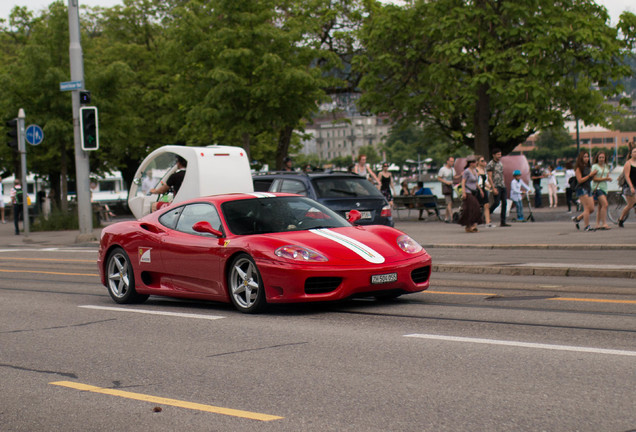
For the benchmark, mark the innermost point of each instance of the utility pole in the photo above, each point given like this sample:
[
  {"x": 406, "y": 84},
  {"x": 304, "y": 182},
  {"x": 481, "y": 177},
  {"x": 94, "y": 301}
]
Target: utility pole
[
  {"x": 82, "y": 166},
  {"x": 23, "y": 170}
]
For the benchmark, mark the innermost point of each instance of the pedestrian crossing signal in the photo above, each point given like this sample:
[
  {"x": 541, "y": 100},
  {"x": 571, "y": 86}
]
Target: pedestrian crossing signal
[{"x": 89, "y": 128}]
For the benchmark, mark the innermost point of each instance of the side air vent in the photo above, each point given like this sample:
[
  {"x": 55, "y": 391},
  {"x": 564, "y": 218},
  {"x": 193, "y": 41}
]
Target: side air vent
[{"x": 421, "y": 275}]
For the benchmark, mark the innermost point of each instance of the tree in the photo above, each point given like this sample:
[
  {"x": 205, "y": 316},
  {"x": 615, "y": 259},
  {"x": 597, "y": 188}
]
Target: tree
[
  {"x": 489, "y": 73},
  {"x": 243, "y": 74},
  {"x": 553, "y": 144}
]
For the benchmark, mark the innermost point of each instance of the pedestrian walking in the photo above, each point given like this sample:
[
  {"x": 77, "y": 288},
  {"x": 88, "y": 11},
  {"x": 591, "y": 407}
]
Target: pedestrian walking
[
  {"x": 471, "y": 211},
  {"x": 17, "y": 199},
  {"x": 447, "y": 176},
  {"x": 584, "y": 176},
  {"x": 629, "y": 188},
  {"x": 599, "y": 188},
  {"x": 537, "y": 174},
  {"x": 498, "y": 185},
  {"x": 483, "y": 198},
  {"x": 569, "y": 190},
  {"x": 2, "y": 201},
  {"x": 516, "y": 193},
  {"x": 364, "y": 169},
  {"x": 552, "y": 187},
  {"x": 386, "y": 183}
]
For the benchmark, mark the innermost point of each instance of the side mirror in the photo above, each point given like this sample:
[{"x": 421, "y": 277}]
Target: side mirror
[
  {"x": 354, "y": 216},
  {"x": 205, "y": 227}
]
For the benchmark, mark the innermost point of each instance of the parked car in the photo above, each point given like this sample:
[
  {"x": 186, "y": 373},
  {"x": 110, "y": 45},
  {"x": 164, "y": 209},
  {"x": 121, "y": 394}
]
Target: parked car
[
  {"x": 340, "y": 191},
  {"x": 257, "y": 248}
]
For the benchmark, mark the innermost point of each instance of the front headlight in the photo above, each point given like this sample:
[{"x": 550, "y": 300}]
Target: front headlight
[
  {"x": 408, "y": 245},
  {"x": 299, "y": 253}
]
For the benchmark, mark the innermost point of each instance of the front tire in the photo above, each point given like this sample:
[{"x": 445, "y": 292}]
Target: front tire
[
  {"x": 120, "y": 279},
  {"x": 245, "y": 285}
]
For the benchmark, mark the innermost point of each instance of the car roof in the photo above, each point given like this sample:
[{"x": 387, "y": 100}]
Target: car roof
[{"x": 313, "y": 174}]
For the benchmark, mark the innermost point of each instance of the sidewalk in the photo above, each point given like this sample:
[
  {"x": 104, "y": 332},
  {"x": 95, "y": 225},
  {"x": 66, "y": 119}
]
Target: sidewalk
[{"x": 551, "y": 246}]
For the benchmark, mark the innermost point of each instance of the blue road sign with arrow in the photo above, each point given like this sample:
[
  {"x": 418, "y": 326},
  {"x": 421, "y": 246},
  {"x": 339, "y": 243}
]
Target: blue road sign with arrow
[{"x": 34, "y": 134}]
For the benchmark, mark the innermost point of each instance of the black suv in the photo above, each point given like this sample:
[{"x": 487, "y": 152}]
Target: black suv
[{"x": 340, "y": 191}]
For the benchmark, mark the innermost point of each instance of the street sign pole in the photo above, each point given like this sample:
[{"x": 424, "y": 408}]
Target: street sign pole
[
  {"x": 82, "y": 166},
  {"x": 23, "y": 169}
]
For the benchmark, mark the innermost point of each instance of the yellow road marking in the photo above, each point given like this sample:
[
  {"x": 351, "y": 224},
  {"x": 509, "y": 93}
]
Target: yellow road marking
[
  {"x": 458, "y": 293},
  {"x": 46, "y": 259},
  {"x": 167, "y": 401},
  {"x": 48, "y": 272},
  {"x": 594, "y": 300}
]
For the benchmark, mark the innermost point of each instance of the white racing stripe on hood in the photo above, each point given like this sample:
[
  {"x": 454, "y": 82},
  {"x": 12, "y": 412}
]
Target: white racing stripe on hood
[
  {"x": 364, "y": 251},
  {"x": 262, "y": 195}
]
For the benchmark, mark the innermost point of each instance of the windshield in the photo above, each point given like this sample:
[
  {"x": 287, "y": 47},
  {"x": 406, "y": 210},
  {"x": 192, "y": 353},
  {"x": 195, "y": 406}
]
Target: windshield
[
  {"x": 279, "y": 214},
  {"x": 345, "y": 187}
]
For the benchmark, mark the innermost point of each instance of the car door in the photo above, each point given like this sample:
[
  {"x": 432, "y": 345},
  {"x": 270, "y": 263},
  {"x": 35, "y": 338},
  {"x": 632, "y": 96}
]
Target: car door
[{"x": 194, "y": 260}]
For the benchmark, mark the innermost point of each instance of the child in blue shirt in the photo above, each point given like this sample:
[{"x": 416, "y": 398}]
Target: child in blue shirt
[{"x": 516, "y": 193}]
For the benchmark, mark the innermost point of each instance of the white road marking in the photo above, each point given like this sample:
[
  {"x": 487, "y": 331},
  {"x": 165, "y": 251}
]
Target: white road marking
[
  {"x": 150, "y": 312},
  {"x": 524, "y": 344}
]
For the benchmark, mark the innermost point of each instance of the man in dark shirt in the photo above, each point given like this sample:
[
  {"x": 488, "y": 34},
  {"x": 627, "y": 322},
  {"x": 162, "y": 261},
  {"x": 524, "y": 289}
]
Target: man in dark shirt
[
  {"x": 537, "y": 174},
  {"x": 173, "y": 184}
]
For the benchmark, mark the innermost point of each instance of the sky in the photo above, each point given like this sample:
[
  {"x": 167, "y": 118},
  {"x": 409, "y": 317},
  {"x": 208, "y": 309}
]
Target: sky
[{"x": 615, "y": 7}]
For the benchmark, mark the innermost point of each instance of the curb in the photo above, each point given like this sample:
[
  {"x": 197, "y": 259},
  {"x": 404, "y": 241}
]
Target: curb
[{"x": 512, "y": 270}]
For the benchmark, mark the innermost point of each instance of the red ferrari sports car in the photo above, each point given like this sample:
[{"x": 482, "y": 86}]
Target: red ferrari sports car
[{"x": 258, "y": 248}]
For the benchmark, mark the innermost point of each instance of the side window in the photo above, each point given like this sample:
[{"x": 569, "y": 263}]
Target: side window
[
  {"x": 262, "y": 185},
  {"x": 169, "y": 219},
  {"x": 194, "y": 213},
  {"x": 293, "y": 186}
]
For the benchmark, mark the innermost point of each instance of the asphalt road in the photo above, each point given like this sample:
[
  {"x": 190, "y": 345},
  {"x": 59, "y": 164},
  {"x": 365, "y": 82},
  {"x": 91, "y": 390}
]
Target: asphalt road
[{"x": 476, "y": 352}]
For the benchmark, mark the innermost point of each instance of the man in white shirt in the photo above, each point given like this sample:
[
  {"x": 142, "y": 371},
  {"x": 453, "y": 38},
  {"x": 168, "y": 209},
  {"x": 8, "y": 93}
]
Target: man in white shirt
[{"x": 446, "y": 176}]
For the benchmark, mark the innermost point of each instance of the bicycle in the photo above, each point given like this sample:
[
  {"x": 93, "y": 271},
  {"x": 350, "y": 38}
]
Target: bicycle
[{"x": 615, "y": 204}]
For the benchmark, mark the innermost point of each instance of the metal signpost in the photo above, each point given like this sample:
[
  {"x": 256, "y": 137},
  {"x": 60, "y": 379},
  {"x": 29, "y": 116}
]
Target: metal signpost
[{"x": 82, "y": 168}]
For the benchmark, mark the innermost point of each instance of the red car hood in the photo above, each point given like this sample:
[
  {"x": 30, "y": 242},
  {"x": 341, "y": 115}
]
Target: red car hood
[{"x": 349, "y": 244}]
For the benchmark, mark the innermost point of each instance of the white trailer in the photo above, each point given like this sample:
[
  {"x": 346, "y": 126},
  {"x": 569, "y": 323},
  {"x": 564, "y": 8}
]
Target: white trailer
[{"x": 211, "y": 170}]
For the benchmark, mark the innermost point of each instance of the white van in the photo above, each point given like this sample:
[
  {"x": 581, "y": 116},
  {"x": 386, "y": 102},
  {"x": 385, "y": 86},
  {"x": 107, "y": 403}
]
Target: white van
[{"x": 211, "y": 170}]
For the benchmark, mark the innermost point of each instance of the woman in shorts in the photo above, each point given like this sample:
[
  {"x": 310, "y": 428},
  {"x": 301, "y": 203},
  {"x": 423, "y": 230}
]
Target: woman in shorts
[
  {"x": 629, "y": 170},
  {"x": 599, "y": 188},
  {"x": 584, "y": 176}
]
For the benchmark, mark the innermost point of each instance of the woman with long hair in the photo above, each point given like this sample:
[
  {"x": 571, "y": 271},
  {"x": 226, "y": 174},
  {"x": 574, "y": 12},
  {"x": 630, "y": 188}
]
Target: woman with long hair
[
  {"x": 569, "y": 190},
  {"x": 471, "y": 211},
  {"x": 386, "y": 183},
  {"x": 484, "y": 202},
  {"x": 599, "y": 188},
  {"x": 629, "y": 191},
  {"x": 584, "y": 176}
]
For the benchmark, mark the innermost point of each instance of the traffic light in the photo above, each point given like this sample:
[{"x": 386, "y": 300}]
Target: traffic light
[
  {"x": 89, "y": 128},
  {"x": 13, "y": 133},
  {"x": 85, "y": 97}
]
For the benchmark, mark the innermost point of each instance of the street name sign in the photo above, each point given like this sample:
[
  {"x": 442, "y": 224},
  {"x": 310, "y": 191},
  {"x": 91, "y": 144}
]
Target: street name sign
[{"x": 71, "y": 85}]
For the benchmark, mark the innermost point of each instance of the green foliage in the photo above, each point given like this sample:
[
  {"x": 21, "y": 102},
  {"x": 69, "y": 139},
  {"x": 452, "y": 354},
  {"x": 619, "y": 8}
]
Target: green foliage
[
  {"x": 553, "y": 144},
  {"x": 490, "y": 73}
]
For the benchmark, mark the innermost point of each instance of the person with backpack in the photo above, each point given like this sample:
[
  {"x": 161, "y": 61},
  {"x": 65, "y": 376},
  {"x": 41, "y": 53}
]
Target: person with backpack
[
  {"x": 570, "y": 184},
  {"x": 17, "y": 198}
]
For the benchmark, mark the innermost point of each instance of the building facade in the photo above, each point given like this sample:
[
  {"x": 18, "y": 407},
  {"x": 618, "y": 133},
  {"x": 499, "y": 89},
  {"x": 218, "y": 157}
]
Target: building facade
[{"x": 338, "y": 135}]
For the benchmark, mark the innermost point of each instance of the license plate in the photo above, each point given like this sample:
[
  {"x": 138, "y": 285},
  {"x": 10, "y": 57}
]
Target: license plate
[
  {"x": 384, "y": 278},
  {"x": 363, "y": 215}
]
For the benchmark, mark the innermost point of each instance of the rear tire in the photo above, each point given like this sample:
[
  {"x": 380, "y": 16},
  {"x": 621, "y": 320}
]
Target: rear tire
[
  {"x": 120, "y": 279},
  {"x": 245, "y": 285},
  {"x": 615, "y": 205}
]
